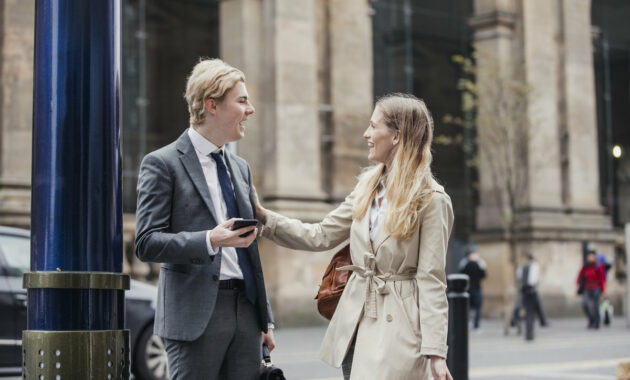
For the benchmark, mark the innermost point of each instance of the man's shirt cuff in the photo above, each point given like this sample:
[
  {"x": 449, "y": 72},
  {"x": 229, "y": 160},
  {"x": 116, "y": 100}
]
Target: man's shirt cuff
[{"x": 211, "y": 251}]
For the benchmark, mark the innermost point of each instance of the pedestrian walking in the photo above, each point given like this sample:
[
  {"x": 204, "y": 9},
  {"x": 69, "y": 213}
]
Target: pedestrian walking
[
  {"x": 474, "y": 266},
  {"x": 591, "y": 284},
  {"x": 527, "y": 276}
]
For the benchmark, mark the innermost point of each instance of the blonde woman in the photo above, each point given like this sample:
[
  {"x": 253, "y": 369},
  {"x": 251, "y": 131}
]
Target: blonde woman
[{"x": 392, "y": 319}]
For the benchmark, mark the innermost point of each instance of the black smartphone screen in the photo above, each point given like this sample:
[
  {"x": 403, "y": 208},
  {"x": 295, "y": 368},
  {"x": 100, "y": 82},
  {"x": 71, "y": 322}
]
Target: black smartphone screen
[{"x": 240, "y": 223}]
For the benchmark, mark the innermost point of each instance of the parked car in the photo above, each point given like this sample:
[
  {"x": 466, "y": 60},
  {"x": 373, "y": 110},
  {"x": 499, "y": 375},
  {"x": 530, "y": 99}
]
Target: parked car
[{"x": 148, "y": 358}]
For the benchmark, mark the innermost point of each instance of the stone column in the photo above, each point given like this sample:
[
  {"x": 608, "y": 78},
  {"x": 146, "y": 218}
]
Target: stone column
[
  {"x": 274, "y": 42},
  {"x": 240, "y": 29},
  {"x": 351, "y": 93},
  {"x": 548, "y": 45},
  {"x": 494, "y": 23},
  {"x": 16, "y": 109},
  {"x": 579, "y": 91},
  {"x": 540, "y": 54}
]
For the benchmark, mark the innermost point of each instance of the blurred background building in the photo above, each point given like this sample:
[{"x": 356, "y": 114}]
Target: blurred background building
[{"x": 314, "y": 69}]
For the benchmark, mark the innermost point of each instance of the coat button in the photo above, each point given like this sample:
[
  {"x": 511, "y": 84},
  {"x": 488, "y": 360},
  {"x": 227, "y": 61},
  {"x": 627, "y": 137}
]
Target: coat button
[
  {"x": 215, "y": 277},
  {"x": 389, "y": 318}
]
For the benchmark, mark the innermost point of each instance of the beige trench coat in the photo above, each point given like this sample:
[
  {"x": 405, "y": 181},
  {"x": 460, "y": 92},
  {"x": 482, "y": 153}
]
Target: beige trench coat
[{"x": 395, "y": 299}]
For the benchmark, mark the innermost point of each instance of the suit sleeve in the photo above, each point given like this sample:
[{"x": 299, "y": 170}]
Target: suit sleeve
[
  {"x": 252, "y": 201},
  {"x": 154, "y": 240},
  {"x": 435, "y": 230},
  {"x": 333, "y": 230}
]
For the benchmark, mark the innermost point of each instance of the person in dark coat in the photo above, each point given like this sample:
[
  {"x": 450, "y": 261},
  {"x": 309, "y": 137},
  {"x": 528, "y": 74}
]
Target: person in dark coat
[{"x": 475, "y": 268}]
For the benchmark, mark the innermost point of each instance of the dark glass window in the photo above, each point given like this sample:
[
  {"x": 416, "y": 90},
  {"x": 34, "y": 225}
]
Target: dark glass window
[
  {"x": 612, "y": 78},
  {"x": 162, "y": 40},
  {"x": 414, "y": 43}
]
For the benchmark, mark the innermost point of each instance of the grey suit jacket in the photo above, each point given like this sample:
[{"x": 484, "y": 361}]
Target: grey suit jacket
[{"x": 173, "y": 214}]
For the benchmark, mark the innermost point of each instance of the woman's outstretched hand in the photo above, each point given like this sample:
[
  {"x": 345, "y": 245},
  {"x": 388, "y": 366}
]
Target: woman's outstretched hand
[
  {"x": 439, "y": 369},
  {"x": 261, "y": 213}
]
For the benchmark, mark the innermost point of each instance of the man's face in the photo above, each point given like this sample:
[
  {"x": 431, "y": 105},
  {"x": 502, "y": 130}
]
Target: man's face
[{"x": 232, "y": 112}]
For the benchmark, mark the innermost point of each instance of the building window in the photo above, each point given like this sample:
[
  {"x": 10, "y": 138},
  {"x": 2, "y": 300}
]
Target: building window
[
  {"x": 162, "y": 41},
  {"x": 611, "y": 55},
  {"x": 414, "y": 45}
]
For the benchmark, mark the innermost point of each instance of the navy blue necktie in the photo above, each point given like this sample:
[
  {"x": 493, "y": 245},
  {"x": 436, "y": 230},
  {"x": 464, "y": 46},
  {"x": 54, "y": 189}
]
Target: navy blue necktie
[{"x": 232, "y": 211}]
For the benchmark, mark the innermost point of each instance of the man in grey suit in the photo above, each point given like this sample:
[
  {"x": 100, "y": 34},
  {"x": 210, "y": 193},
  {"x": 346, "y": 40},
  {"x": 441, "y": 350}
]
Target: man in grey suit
[{"x": 212, "y": 308}]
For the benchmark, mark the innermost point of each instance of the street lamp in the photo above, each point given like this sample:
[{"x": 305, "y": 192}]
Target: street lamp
[{"x": 616, "y": 151}]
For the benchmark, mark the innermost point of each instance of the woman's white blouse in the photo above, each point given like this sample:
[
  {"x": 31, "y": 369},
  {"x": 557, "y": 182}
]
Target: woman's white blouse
[{"x": 377, "y": 213}]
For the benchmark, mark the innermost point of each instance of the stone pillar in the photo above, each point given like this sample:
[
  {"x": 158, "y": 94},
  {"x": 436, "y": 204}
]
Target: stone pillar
[
  {"x": 16, "y": 109},
  {"x": 546, "y": 44},
  {"x": 494, "y": 24},
  {"x": 539, "y": 59},
  {"x": 579, "y": 91},
  {"x": 275, "y": 43},
  {"x": 351, "y": 93},
  {"x": 240, "y": 29}
]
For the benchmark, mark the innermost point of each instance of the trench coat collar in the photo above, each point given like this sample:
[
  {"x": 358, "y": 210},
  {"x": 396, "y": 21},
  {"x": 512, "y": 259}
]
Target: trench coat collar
[{"x": 364, "y": 230}]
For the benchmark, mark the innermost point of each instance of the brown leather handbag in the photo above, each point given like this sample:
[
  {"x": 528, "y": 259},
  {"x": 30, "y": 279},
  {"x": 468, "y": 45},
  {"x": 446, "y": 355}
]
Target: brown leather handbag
[{"x": 333, "y": 283}]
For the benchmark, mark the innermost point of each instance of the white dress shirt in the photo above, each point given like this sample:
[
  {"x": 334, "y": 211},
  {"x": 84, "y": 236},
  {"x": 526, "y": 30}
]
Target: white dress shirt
[
  {"x": 377, "y": 212},
  {"x": 203, "y": 147}
]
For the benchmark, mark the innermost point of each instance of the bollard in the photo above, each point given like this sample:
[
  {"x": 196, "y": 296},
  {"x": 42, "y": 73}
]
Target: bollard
[
  {"x": 530, "y": 313},
  {"x": 457, "y": 294}
]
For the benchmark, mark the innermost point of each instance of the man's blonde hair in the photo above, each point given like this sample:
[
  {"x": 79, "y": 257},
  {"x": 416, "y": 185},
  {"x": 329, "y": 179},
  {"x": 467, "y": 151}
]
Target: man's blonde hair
[{"x": 209, "y": 79}]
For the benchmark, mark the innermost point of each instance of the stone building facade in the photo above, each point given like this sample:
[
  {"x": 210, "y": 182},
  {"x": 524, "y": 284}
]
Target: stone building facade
[{"x": 314, "y": 68}]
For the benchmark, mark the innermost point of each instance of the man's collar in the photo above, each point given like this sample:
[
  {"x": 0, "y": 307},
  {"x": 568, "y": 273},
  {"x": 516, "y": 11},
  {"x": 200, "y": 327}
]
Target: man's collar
[{"x": 201, "y": 144}]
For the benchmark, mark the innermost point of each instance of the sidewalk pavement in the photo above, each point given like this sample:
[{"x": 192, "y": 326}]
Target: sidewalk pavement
[{"x": 564, "y": 350}]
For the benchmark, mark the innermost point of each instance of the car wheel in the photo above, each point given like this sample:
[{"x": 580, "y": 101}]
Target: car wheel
[{"x": 150, "y": 361}]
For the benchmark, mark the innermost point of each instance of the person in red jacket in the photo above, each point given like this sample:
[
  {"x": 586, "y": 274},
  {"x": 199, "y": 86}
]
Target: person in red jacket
[{"x": 591, "y": 282}]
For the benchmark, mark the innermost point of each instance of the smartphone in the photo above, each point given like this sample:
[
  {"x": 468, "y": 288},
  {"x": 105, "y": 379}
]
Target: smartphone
[{"x": 240, "y": 223}]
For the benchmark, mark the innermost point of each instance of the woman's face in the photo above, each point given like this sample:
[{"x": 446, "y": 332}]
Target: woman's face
[{"x": 381, "y": 140}]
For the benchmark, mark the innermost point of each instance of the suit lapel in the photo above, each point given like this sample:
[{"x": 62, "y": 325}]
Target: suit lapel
[
  {"x": 191, "y": 163},
  {"x": 241, "y": 189},
  {"x": 241, "y": 193}
]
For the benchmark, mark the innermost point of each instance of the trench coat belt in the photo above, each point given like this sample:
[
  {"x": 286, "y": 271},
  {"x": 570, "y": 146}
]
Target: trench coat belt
[{"x": 376, "y": 283}]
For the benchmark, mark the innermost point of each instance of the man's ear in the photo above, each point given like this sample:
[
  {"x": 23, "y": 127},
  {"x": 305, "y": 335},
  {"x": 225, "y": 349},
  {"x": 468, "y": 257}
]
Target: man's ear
[{"x": 211, "y": 106}]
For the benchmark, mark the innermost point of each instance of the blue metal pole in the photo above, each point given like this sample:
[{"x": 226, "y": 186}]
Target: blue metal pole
[{"x": 76, "y": 208}]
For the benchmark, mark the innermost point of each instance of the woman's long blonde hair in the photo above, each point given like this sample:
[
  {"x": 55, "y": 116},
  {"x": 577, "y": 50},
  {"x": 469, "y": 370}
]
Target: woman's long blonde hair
[{"x": 408, "y": 180}]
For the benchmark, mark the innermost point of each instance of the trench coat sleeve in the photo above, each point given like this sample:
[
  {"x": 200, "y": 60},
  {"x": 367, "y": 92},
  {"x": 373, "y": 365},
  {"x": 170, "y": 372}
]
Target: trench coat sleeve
[
  {"x": 333, "y": 230},
  {"x": 431, "y": 277}
]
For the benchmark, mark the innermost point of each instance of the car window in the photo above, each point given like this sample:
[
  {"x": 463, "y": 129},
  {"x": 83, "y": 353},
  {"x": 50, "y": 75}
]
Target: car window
[{"x": 17, "y": 253}]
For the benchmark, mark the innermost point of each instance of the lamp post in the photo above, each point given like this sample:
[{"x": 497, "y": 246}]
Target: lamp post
[{"x": 75, "y": 288}]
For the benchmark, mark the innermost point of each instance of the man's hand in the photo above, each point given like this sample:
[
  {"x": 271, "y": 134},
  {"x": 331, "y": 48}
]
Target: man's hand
[
  {"x": 261, "y": 213},
  {"x": 439, "y": 369},
  {"x": 223, "y": 236},
  {"x": 268, "y": 339}
]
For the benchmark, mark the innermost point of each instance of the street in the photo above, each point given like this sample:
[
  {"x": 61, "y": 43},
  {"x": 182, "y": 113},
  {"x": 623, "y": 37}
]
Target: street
[{"x": 565, "y": 350}]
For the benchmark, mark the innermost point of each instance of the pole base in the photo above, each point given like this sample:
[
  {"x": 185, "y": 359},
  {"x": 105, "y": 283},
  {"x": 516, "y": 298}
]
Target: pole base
[{"x": 67, "y": 355}]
